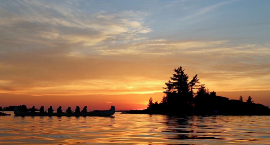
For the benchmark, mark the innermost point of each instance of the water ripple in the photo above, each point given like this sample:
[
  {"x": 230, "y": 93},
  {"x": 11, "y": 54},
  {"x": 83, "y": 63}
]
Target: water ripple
[{"x": 135, "y": 128}]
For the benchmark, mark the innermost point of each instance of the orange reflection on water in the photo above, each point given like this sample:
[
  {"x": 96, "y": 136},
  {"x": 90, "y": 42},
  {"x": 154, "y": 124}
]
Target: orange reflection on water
[{"x": 136, "y": 129}]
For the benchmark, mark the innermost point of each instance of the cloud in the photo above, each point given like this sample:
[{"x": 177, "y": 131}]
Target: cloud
[
  {"x": 108, "y": 86},
  {"x": 198, "y": 14},
  {"x": 60, "y": 22},
  {"x": 239, "y": 66},
  {"x": 43, "y": 41},
  {"x": 59, "y": 49},
  {"x": 159, "y": 47}
]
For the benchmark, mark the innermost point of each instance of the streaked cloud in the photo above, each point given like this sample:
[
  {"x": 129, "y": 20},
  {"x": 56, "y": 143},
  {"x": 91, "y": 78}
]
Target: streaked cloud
[{"x": 58, "y": 23}]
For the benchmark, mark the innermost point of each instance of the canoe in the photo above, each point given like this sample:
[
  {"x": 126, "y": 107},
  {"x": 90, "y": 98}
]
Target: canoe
[
  {"x": 92, "y": 113},
  {"x": 4, "y": 114}
]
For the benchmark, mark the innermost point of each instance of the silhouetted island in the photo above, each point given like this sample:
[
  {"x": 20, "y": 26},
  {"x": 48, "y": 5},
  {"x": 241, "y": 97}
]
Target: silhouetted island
[{"x": 180, "y": 99}]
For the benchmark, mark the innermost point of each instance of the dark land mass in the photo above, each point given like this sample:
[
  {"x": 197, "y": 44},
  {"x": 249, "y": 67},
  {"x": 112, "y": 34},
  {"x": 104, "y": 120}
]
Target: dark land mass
[
  {"x": 182, "y": 99},
  {"x": 217, "y": 106}
]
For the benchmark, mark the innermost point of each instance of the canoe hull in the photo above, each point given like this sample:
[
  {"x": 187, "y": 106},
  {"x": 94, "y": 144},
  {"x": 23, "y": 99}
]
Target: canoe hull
[
  {"x": 4, "y": 114},
  {"x": 93, "y": 113}
]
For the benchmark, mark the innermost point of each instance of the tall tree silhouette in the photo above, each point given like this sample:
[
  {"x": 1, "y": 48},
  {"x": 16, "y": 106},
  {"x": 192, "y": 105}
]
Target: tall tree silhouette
[
  {"x": 202, "y": 99},
  {"x": 202, "y": 91},
  {"x": 150, "y": 103},
  {"x": 241, "y": 99},
  {"x": 179, "y": 90},
  {"x": 249, "y": 100},
  {"x": 164, "y": 100}
]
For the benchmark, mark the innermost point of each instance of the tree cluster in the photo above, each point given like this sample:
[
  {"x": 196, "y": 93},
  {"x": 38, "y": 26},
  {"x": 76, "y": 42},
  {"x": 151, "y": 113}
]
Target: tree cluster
[
  {"x": 179, "y": 95},
  {"x": 181, "y": 98}
]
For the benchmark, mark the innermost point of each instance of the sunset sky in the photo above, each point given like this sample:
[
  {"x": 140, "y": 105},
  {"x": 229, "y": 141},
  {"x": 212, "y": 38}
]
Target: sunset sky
[{"x": 102, "y": 53}]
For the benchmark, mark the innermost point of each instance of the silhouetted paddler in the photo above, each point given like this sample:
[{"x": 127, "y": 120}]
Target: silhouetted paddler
[
  {"x": 59, "y": 110},
  {"x": 77, "y": 110},
  {"x": 41, "y": 110},
  {"x": 33, "y": 109},
  {"x": 50, "y": 110},
  {"x": 68, "y": 110},
  {"x": 84, "y": 109}
]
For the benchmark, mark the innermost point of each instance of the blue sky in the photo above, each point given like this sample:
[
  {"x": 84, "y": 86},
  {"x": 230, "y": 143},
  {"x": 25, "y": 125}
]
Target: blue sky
[
  {"x": 195, "y": 19},
  {"x": 56, "y": 48}
]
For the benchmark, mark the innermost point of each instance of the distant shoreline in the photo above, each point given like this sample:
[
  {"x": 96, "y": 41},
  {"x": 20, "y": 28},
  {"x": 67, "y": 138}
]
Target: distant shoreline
[{"x": 188, "y": 114}]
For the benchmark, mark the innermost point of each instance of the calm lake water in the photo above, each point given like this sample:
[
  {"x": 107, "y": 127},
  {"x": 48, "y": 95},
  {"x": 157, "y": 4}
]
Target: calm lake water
[{"x": 136, "y": 129}]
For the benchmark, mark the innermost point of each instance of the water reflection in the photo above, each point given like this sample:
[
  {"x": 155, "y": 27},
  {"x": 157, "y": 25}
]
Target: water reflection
[
  {"x": 218, "y": 129},
  {"x": 188, "y": 127},
  {"x": 136, "y": 129}
]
